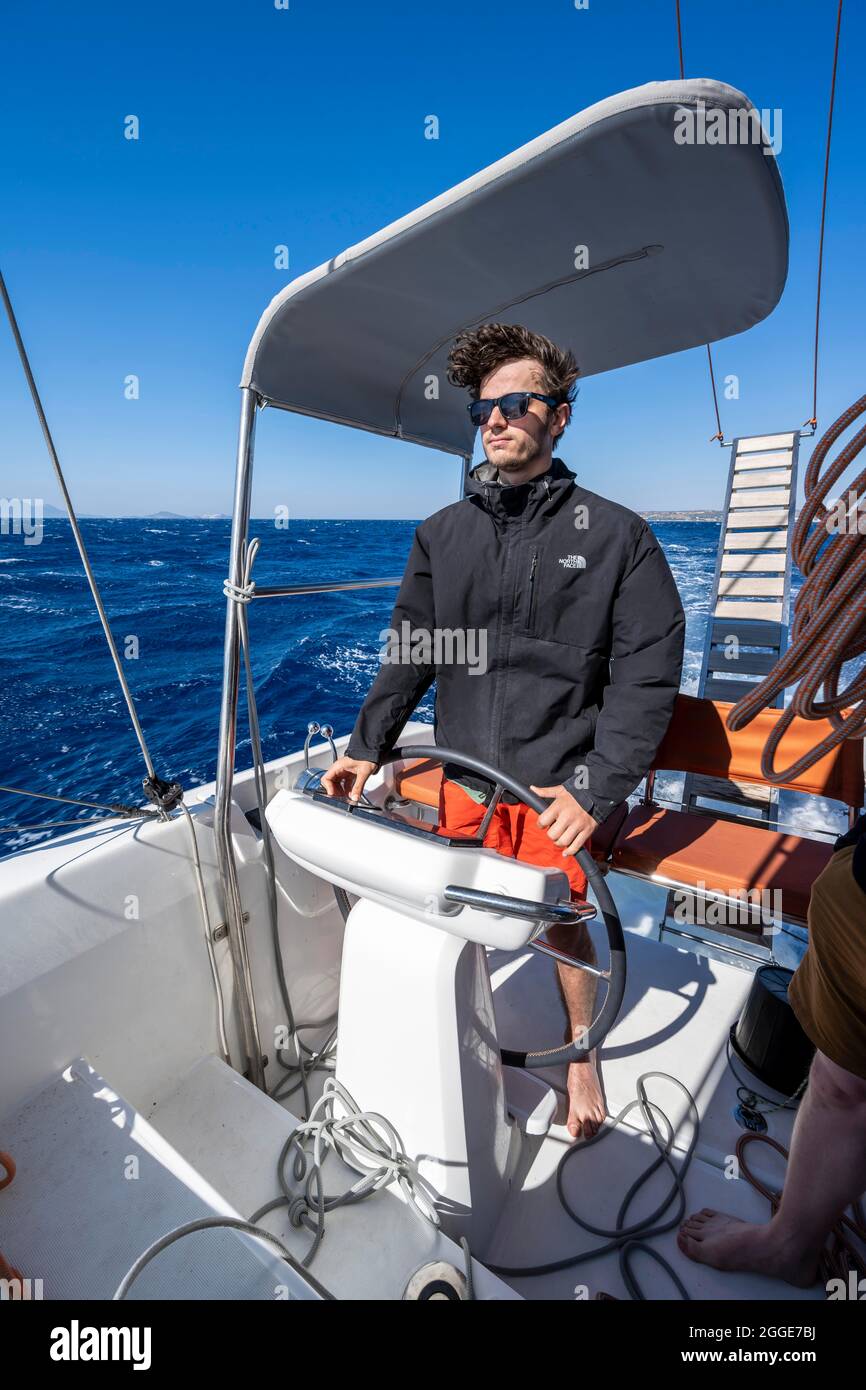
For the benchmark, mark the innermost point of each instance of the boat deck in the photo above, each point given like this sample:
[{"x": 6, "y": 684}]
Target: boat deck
[
  {"x": 675, "y": 1019},
  {"x": 211, "y": 1146},
  {"x": 97, "y": 1184}
]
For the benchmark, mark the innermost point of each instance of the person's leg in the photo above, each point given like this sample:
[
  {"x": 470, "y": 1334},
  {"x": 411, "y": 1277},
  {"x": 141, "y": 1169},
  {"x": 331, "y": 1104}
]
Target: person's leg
[
  {"x": 577, "y": 988},
  {"x": 514, "y": 831},
  {"x": 826, "y": 1172}
]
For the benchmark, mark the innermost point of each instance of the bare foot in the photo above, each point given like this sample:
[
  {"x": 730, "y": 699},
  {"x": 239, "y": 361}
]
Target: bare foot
[
  {"x": 724, "y": 1242},
  {"x": 586, "y": 1109}
]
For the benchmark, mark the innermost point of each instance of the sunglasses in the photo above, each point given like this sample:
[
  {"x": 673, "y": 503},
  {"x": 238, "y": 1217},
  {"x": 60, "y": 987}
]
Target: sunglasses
[{"x": 513, "y": 406}]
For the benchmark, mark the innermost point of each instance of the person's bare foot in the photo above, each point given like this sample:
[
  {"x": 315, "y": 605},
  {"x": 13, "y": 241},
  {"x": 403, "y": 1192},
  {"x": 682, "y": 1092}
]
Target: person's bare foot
[
  {"x": 724, "y": 1242},
  {"x": 586, "y": 1108}
]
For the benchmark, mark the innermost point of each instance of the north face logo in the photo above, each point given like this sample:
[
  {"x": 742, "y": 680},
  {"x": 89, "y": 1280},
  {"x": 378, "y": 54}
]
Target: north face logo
[{"x": 572, "y": 562}]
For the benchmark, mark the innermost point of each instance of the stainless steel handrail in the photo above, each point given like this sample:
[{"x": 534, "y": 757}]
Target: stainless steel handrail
[
  {"x": 565, "y": 913},
  {"x": 233, "y": 913},
  {"x": 281, "y": 590},
  {"x": 544, "y": 948}
]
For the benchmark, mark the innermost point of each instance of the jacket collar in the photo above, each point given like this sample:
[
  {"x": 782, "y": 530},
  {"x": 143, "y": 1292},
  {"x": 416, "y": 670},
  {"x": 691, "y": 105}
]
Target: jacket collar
[{"x": 508, "y": 499}]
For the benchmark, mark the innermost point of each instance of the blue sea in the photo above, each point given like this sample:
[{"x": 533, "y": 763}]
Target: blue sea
[{"x": 63, "y": 722}]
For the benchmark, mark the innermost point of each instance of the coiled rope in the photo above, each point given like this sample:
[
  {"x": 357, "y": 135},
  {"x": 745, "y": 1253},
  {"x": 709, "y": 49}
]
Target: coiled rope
[
  {"x": 829, "y": 622},
  {"x": 361, "y": 1138},
  {"x": 627, "y": 1239}
]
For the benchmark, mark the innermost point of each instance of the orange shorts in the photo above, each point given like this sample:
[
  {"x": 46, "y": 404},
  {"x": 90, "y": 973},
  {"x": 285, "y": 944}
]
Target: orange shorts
[{"x": 513, "y": 831}]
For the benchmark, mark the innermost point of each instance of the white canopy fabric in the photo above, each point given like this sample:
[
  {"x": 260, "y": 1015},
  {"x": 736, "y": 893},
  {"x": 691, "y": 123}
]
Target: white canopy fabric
[{"x": 686, "y": 239}]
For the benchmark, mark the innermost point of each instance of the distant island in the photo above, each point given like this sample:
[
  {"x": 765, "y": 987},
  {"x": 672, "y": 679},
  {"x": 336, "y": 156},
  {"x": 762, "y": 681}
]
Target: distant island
[
  {"x": 698, "y": 515},
  {"x": 178, "y": 516},
  {"x": 49, "y": 511}
]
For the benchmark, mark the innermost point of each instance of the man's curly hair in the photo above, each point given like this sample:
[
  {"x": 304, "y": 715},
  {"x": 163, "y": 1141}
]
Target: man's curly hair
[{"x": 479, "y": 351}]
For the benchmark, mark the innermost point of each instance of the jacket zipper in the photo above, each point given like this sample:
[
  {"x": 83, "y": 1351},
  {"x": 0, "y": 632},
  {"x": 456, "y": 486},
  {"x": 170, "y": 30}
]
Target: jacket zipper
[
  {"x": 501, "y": 675},
  {"x": 511, "y": 538},
  {"x": 532, "y": 589}
]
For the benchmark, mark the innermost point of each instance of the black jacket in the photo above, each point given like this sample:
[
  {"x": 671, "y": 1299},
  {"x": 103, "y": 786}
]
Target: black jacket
[{"x": 584, "y": 634}]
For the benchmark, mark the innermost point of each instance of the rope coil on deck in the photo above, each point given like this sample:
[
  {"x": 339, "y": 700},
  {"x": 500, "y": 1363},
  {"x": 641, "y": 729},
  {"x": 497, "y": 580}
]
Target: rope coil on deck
[
  {"x": 628, "y": 1239},
  {"x": 363, "y": 1139},
  {"x": 829, "y": 623}
]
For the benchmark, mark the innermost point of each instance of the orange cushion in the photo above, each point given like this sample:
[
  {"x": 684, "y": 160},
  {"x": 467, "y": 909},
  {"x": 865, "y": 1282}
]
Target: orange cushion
[
  {"x": 420, "y": 780},
  {"x": 698, "y": 741},
  {"x": 725, "y": 856}
]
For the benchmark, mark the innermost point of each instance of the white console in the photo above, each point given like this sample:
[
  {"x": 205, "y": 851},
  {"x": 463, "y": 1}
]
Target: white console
[
  {"x": 417, "y": 1037},
  {"x": 409, "y": 868}
]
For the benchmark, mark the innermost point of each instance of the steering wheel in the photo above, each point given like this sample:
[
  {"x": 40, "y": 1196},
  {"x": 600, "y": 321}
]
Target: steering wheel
[{"x": 615, "y": 975}]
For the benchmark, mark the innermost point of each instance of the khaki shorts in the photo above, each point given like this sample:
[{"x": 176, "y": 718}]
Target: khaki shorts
[{"x": 828, "y": 991}]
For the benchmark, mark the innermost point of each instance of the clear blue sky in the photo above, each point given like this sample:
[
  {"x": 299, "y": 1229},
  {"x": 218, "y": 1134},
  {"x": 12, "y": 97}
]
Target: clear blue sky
[{"x": 262, "y": 126}]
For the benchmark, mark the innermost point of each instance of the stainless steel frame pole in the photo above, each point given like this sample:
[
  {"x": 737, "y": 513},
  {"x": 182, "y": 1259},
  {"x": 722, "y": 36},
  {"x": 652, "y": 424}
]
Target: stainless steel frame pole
[
  {"x": 232, "y": 905},
  {"x": 465, "y": 466}
]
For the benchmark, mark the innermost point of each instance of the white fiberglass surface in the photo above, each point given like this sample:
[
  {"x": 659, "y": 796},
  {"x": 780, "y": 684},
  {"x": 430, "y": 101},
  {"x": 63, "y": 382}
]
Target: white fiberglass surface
[{"x": 676, "y": 1016}]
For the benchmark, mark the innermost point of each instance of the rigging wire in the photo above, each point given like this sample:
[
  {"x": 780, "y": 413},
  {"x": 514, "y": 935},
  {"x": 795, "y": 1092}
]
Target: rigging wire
[
  {"x": 811, "y": 424},
  {"x": 680, "y": 41},
  {"x": 813, "y": 421},
  {"x": 117, "y": 808},
  {"x": 719, "y": 435},
  {"x": 22, "y": 828},
  {"x": 166, "y": 796},
  {"x": 76, "y": 529}
]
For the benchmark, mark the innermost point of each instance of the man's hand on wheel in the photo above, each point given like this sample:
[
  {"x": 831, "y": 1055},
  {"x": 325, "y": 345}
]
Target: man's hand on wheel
[
  {"x": 346, "y": 777},
  {"x": 565, "y": 820}
]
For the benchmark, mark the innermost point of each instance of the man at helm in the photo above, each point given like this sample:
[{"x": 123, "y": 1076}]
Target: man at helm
[{"x": 584, "y": 634}]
